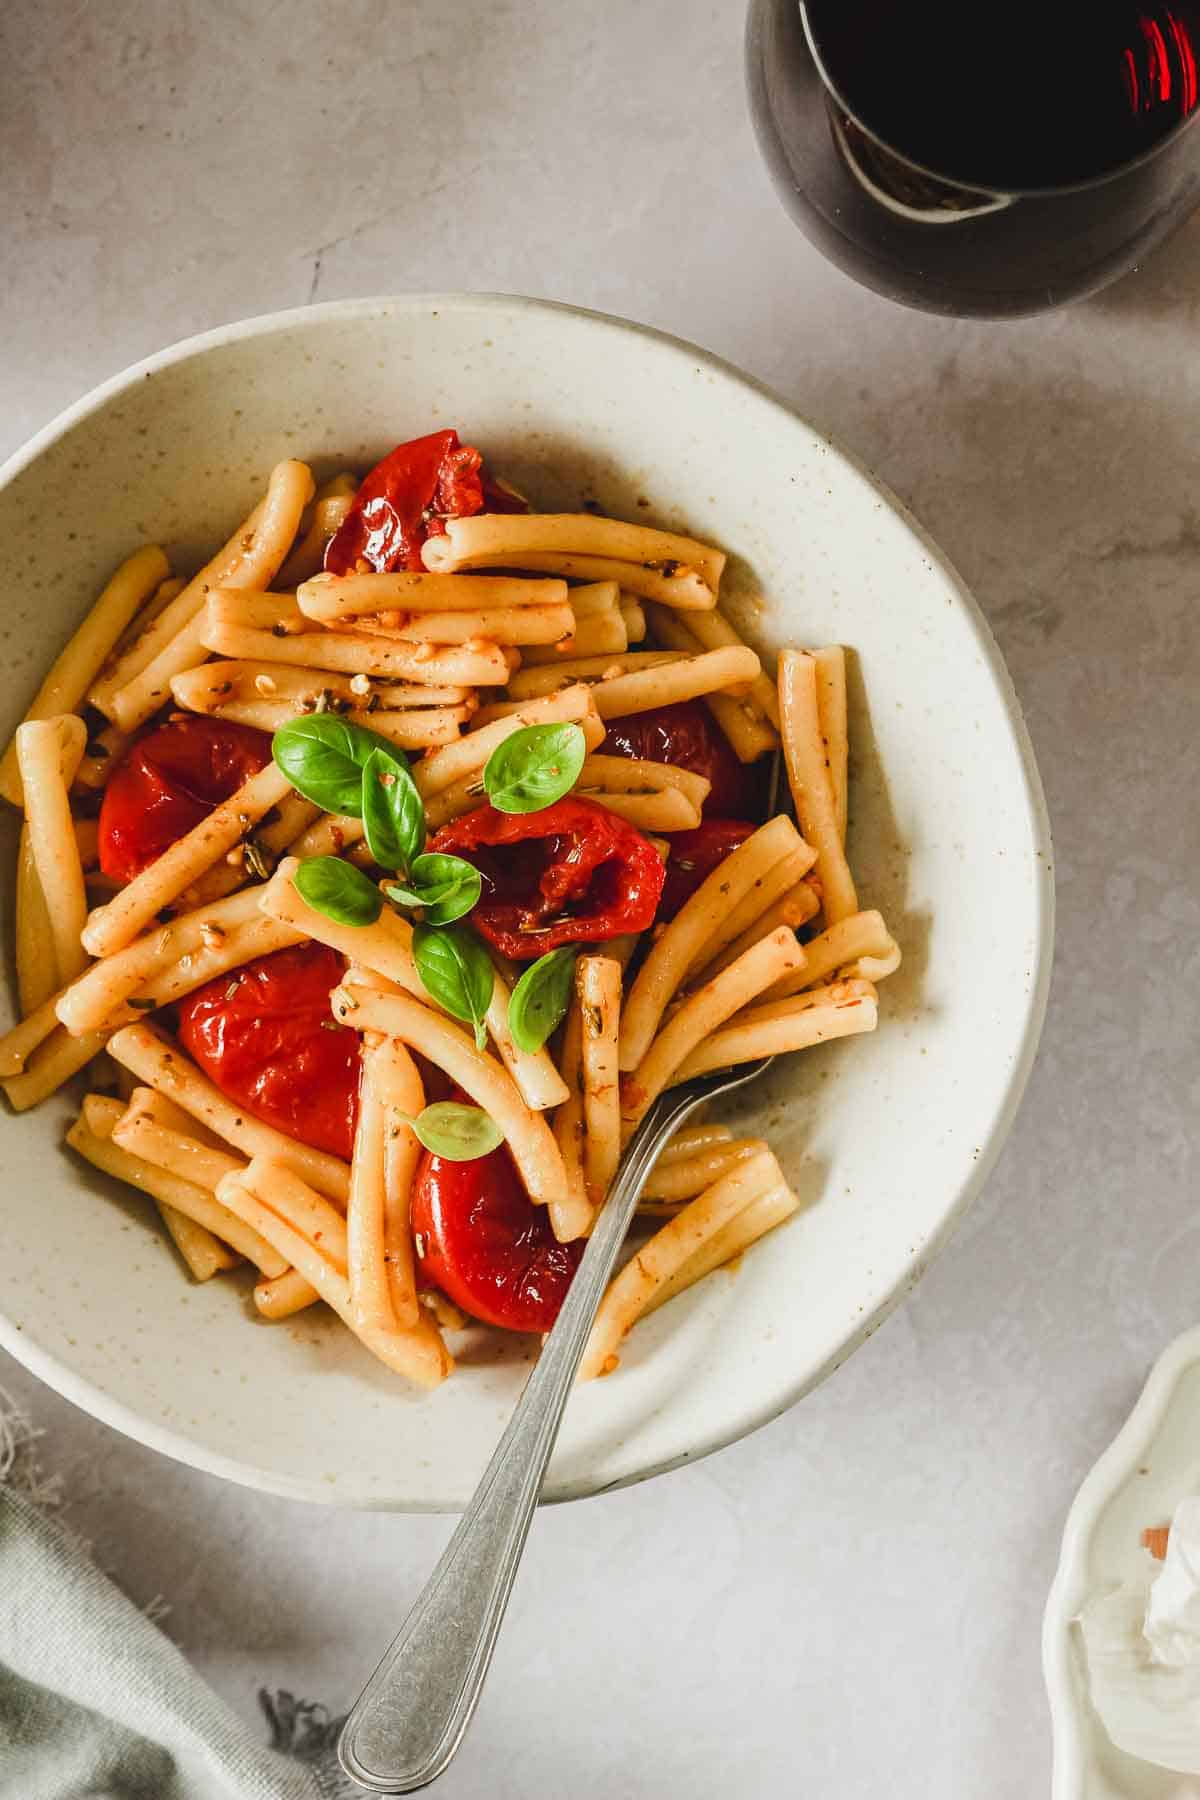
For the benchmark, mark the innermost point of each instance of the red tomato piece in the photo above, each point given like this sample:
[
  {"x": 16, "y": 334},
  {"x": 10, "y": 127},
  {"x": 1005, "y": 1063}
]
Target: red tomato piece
[
  {"x": 694, "y": 856},
  {"x": 265, "y": 1036},
  {"x": 407, "y": 497},
  {"x": 167, "y": 782},
  {"x": 573, "y": 873},
  {"x": 684, "y": 737},
  {"x": 486, "y": 1245}
]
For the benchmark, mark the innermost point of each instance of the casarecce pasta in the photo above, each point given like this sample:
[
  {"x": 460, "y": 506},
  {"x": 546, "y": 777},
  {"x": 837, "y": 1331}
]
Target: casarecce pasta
[{"x": 397, "y": 860}]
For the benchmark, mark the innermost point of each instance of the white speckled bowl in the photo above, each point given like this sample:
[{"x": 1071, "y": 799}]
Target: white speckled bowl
[{"x": 886, "y": 1138}]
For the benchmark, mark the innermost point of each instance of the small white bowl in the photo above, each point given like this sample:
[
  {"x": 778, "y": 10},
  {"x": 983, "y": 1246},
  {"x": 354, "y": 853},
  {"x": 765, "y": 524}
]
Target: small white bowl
[
  {"x": 886, "y": 1138},
  {"x": 1152, "y": 1464}
]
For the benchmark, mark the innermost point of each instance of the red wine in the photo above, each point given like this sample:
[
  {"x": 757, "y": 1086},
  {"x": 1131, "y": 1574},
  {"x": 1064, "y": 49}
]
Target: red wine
[
  {"x": 987, "y": 157},
  {"x": 1012, "y": 95}
]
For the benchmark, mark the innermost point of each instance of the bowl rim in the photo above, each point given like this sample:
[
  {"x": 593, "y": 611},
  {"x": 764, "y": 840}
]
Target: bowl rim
[{"x": 90, "y": 1398}]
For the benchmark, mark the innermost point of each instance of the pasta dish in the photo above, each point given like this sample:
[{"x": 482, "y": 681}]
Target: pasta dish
[{"x": 382, "y": 875}]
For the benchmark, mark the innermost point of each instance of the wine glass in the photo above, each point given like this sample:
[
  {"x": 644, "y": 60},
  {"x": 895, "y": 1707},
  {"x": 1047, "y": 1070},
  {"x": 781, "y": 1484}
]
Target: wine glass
[{"x": 990, "y": 160}]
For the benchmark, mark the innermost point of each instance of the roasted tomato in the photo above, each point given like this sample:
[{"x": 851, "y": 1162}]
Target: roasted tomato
[
  {"x": 408, "y": 496},
  {"x": 167, "y": 782},
  {"x": 482, "y": 1241},
  {"x": 265, "y": 1036},
  {"x": 693, "y": 857},
  {"x": 573, "y": 873},
  {"x": 684, "y": 737}
]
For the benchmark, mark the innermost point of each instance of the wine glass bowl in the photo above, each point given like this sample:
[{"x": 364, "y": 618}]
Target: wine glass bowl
[{"x": 1003, "y": 167}]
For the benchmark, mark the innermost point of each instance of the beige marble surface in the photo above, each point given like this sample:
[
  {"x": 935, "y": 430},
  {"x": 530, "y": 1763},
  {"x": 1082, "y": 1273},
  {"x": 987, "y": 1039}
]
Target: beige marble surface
[{"x": 850, "y": 1602}]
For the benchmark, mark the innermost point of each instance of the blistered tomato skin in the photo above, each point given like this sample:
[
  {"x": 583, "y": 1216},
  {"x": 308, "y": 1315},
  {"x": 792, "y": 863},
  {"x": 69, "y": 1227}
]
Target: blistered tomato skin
[
  {"x": 483, "y": 1242},
  {"x": 684, "y": 736},
  {"x": 573, "y": 873},
  {"x": 264, "y": 1036},
  {"x": 167, "y": 782},
  {"x": 407, "y": 497}
]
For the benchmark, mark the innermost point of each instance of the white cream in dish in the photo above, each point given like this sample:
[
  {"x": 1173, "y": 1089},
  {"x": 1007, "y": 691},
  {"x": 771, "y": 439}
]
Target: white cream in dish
[{"x": 1142, "y": 1643}]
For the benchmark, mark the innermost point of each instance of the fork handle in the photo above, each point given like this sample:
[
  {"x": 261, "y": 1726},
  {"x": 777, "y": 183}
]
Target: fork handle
[{"x": 413, "y": 1712}]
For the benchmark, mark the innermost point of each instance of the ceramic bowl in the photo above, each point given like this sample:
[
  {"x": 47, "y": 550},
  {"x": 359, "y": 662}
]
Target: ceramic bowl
[
  {"x": 885, "y": 1138},
  {"x": 1151, "y": 1465}
]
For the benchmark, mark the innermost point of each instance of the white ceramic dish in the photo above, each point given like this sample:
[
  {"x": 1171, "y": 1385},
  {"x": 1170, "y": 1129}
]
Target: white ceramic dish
[
  {"x": 886, "y": 1138},
  {"x": 1152, "y": 1464}
]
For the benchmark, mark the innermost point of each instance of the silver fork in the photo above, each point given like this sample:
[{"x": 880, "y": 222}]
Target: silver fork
[{"x": 413, "y": 1713}]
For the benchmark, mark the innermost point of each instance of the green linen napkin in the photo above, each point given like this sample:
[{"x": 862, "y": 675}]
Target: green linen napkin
[{"x": 96, "y": 1703}]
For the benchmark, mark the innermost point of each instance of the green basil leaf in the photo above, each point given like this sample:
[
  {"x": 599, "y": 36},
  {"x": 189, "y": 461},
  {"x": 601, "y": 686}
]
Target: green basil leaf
[
  {"x": 457, "y": 971},
  {"x": 459, "y": 1133},
  {"x": 446, "y": 886},
  {"x": 323, "y": 757},
  {"x": 541, "y": 998},
  {"x": 338, "y": 890},
  {"x": 534, "y": 767},
  {"x": 393, "y": 813}
]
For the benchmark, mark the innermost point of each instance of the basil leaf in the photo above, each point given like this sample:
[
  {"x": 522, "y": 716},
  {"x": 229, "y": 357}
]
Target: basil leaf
[
  {"x": 534, "y": 767},
  {"x": 393, "y": 813},
  {"x": 323, "y": 758},
  {"x": 338, "y": 890},
  {"x": 459, "y": 1133},
  {"x": 446, "y": 886},
  {"x": 457, "y": 971},
  {"x": 541, "y": 997}
]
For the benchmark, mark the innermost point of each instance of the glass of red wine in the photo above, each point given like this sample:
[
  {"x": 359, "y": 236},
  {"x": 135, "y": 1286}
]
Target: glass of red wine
[{"x": 990, "y": 158}]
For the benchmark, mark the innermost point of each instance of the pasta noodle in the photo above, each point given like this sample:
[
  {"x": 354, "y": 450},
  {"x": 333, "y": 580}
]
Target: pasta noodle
[
  {"x": 831, "y": 715},
  {"x": 861, "y": 946},
  {"x": 77, "y": 666},
  {"x": 476, "y": 663},
  {"x": 745, "y": 1228},
  {"x": 599, "y": 626},
  {"x": 366, "y": 1256},
  {"x": 285, "y": 1295},
  {"x": 264, "y": 1196},
  {"x": 48, "y": 753},
  {"x": 307, "y": 690},
  {"x": 140, "y": 682},
  {"x": 329, "y": 509},
  {"x": 113, "y": 926},
  {"x": 56, "y": 1059},
  {"x": 687, "y": 1176},
  {"x": 329, "y": 598},
  {"x": 808, "y": 777},
  {"x": 158, "y": 1062},
  {"x": 833, "y": 1012},
  {"x": 598, "y": 981},
  {"x": 647, "y": 686},
  {"x": 666, "y": 1253},
  {"x": 37, "y": 965},
  {"x": 392, "y": 1075},
  {"x": 103, "y": 752},
  {"x": 672, "y": 586},
  {"x": 513, "y": 535},
  {"x": 634, "y": 615}
]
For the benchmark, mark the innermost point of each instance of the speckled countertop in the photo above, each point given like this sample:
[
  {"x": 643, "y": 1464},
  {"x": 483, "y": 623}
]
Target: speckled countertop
[{"x": 848, "y": 1603}]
